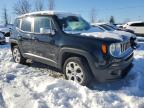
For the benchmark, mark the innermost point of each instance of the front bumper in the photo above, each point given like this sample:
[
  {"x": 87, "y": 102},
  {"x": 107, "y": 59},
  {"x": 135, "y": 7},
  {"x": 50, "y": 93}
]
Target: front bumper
[{"x": 115, "y": 70}]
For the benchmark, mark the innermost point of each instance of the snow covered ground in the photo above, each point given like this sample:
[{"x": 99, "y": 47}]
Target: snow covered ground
[{"x": 39, "y": 86}]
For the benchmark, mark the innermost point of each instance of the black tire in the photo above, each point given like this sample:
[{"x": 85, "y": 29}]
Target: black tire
[
  {"x": 21, "y": 60},
  {"x": 85, "y": 70}
]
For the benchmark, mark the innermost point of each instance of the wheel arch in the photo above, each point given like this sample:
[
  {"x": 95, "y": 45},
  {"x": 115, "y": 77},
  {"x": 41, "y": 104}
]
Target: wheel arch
[
  {"x": 66, "y": 53},
  {"x": 12, "y": 44}
]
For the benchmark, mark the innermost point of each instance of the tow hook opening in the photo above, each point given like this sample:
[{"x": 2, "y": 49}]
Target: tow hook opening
[{"x": 116, "y": 73}]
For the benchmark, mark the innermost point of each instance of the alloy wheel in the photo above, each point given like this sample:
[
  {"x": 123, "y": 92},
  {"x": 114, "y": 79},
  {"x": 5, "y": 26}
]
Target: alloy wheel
[
  {"x": 74, "y": 72},
  {"x": 16, "y": 55}
]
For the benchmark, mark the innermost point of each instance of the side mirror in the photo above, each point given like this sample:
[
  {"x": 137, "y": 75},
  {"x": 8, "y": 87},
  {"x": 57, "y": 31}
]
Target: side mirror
[
  {"x": 7, "y": 34},
  {"x": 47, "y": 31}
]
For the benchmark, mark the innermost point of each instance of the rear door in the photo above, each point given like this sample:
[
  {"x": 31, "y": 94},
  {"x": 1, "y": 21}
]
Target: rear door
[{"x": 25, "y": 34}]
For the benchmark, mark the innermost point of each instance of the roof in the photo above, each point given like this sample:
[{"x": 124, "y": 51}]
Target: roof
[{"x": 46, "y": 13}]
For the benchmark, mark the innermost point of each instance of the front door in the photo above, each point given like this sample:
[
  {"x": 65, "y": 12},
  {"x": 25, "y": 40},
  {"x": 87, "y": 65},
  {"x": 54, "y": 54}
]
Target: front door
[
  {"x": 44, "y": 43},
  {"x": 24, "y": 35}
]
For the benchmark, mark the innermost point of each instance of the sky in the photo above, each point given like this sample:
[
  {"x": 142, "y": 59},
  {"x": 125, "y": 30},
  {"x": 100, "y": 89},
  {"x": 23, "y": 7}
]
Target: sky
[{"x": 122, "y": 10}]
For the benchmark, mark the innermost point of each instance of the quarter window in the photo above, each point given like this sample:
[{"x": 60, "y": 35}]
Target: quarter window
[{"x": 41, "y": 23}]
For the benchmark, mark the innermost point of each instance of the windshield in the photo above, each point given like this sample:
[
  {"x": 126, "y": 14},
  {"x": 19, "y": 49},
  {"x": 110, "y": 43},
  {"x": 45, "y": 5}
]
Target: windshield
[{"x": 73, "y": 24}]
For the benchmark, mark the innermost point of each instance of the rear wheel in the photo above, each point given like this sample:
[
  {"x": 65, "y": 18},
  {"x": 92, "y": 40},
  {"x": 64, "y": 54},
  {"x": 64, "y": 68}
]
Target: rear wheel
[
  {"x": 76, "y": 69},
  {"x": 18, "y": 58}
]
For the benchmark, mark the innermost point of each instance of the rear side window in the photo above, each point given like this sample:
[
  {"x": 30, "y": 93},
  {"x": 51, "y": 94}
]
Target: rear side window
[
  {"x": 40, "y": 23},
  {"x": 17, "y": 23},
  {"x": 137, "y": 24},
  {"x": 27, "y": 24}
]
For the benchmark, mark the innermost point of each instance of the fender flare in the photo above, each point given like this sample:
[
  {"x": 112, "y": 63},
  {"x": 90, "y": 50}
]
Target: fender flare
[
  {"x": 73, "y": 51},
  {"x": 13, "y": 41}
]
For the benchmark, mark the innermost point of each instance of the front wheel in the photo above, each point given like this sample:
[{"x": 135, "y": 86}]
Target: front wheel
[
  {"x": 18, "y": 58},
  {"x": 76, "y": 69}
]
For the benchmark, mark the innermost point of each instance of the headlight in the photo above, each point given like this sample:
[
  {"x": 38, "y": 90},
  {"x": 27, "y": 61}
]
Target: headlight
[{"x": 115, "y": 49}]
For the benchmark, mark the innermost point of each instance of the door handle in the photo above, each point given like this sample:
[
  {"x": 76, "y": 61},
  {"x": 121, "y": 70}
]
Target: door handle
[
  {"x": 52, "y": 41},
  {"x": 35, "y": 39}
]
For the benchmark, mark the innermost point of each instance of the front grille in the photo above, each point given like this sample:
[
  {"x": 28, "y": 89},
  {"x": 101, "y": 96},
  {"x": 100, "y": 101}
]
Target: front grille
[{"x": 125, "y": 46}]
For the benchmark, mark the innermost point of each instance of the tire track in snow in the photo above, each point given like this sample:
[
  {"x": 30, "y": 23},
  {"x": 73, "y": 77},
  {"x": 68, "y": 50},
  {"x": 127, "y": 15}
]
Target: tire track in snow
[
  {"x": 45, "y": 93},
  {"x": 2, "y": 103}
]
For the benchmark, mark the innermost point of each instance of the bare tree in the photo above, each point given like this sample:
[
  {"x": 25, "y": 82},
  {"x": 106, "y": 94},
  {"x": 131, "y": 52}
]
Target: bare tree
[
  {"x": 22, "y": 7},
  {"x": 51, "y": 4},
  {"x": 93, "y": 16},
  {"x": 39, "y": 5},
  {"x": 5, "y": 16}
]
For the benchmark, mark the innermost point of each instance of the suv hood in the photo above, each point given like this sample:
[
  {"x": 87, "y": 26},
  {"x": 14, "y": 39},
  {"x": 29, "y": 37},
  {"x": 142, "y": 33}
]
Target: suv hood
[
  {"x": 124, "y": 33},
  {"x": 105, "y": 34}
]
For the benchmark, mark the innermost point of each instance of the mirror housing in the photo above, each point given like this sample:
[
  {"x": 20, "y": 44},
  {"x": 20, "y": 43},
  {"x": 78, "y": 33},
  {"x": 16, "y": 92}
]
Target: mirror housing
[{"x": 47, "y": 31}]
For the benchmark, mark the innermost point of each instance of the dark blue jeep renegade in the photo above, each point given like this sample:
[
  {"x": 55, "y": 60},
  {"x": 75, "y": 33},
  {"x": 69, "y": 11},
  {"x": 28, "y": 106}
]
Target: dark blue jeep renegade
[{"x": 66, "y": 41}]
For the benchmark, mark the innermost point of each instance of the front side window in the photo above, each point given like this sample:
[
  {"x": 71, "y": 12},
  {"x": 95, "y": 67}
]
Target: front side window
[
  {"x": 41, "y": 23},
  {"x": 73, "y": 24},
  {"x": 27, "y": 24}
]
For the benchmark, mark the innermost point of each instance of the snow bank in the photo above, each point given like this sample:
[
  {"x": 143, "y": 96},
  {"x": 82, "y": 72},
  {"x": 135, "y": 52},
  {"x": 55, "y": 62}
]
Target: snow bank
[{"x": 33, "y": 87}]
